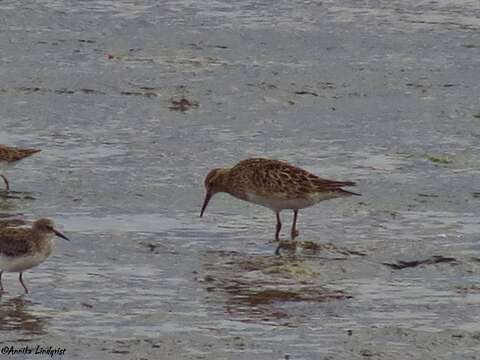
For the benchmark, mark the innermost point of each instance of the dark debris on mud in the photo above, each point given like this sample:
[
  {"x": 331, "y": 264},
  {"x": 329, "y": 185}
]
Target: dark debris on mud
[
  {"x": 468, "y": 289},
  {"x": 303, "y": 92},
  {"x": 147, "y": 94},
  {"x": 182, "y": 104},
  {"x": 157, "y": 248},
  {"x": 29, "y": 90},
  {"x": 436, "y": 259},
  {"x": 16, "y": 195}
]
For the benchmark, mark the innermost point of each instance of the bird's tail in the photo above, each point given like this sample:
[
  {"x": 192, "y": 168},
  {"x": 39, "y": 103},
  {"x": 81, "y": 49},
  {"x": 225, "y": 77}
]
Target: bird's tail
[
  {"x": 348, "y": 193},
  {"x": 23, "y": 153},
  {"x": 31, "y": 151}
]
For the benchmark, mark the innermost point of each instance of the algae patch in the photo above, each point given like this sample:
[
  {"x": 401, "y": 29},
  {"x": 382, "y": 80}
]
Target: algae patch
[
  {"x": 259, "y": 287},
  {"x": 309, "y": 246},
  {"x": 297, "y": 270},
  {"x": 269, "y": 296},
  {"x": 316, "y": 247},
  {"x": 443, "y": 160},
  {"x": 460, "y": 160}
]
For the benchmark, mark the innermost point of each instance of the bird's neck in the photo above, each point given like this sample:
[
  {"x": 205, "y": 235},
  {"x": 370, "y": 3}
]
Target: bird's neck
[
  {"x": 233, "y": 186},
  {"x": 45, "y": 238},
  {"x": 223, "y": 182}
]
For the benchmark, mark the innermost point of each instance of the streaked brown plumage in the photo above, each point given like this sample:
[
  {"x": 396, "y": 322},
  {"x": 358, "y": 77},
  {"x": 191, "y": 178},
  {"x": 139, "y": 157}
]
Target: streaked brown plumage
[
  {"x": 10, "y": 155},
  {"x": 23, "y": 248},
  {"x": 11, "y": 222},
  {"x": 274, "y": 184}
]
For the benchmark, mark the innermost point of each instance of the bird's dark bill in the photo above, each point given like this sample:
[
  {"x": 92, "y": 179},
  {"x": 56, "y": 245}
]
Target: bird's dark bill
[
  {"x": 59, "y": 234},
  {"x": 208, "y": 196}
]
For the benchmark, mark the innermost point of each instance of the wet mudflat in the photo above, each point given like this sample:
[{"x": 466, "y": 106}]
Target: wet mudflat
[{"x": 132, "y": 103}]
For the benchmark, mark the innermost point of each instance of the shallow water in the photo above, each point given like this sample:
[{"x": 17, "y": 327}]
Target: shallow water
[{"x": 384, "y": 93}]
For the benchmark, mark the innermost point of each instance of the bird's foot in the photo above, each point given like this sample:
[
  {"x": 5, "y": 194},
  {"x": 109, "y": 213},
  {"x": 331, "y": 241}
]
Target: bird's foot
[
  {"x": 277, "y": 250},
  {"x": 7, "y": 185},
  {"x": 286, "y": 244},
  {"x": 295, "y": 233}
]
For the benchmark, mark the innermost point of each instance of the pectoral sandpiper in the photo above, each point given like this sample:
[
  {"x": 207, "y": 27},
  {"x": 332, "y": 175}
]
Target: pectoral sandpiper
[
  {"x": 24, "y": 248},
  {"x": 10, "y": 155},
  {"x": 273, "y": 184}
]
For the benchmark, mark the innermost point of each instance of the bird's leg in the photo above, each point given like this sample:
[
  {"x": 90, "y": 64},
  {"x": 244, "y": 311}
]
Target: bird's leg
[
  {"x": 277, "y": 234},
  {"x": 7, "y": 185},
  {"x": 277, "y": 250},
  {"x": 294, "y": 232},
  {"x": 279, "y": 227},
  {"x": 21, "y": 282},
  {"x": 1, "y": 285}
]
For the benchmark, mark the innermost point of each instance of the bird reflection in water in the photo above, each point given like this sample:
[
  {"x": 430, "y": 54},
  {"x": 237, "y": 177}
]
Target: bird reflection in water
[{"x": 15, "y": 315}]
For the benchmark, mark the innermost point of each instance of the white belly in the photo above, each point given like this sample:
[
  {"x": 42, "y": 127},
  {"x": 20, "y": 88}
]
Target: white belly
[
  {"x": 21, "y": 263},
  {"x": 278, "y": 203}
]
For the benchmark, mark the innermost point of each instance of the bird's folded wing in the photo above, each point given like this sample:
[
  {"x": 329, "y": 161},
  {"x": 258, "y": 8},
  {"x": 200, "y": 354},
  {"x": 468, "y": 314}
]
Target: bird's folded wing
[
  {"x": 12, "y": 242},
  {"x": 289, "y": 181}
]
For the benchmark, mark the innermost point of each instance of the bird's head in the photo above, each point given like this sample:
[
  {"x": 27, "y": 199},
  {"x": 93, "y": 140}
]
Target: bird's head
[
  {"x": 47, "y": 226},
  {"x": 214, "y": 183}
]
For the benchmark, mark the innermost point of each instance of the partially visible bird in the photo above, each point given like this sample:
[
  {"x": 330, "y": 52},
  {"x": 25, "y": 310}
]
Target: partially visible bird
[
  {"x": 24, "y": 248},
  {"x": 10, "y": 155},
  {"x": 273, "y": 184}
]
